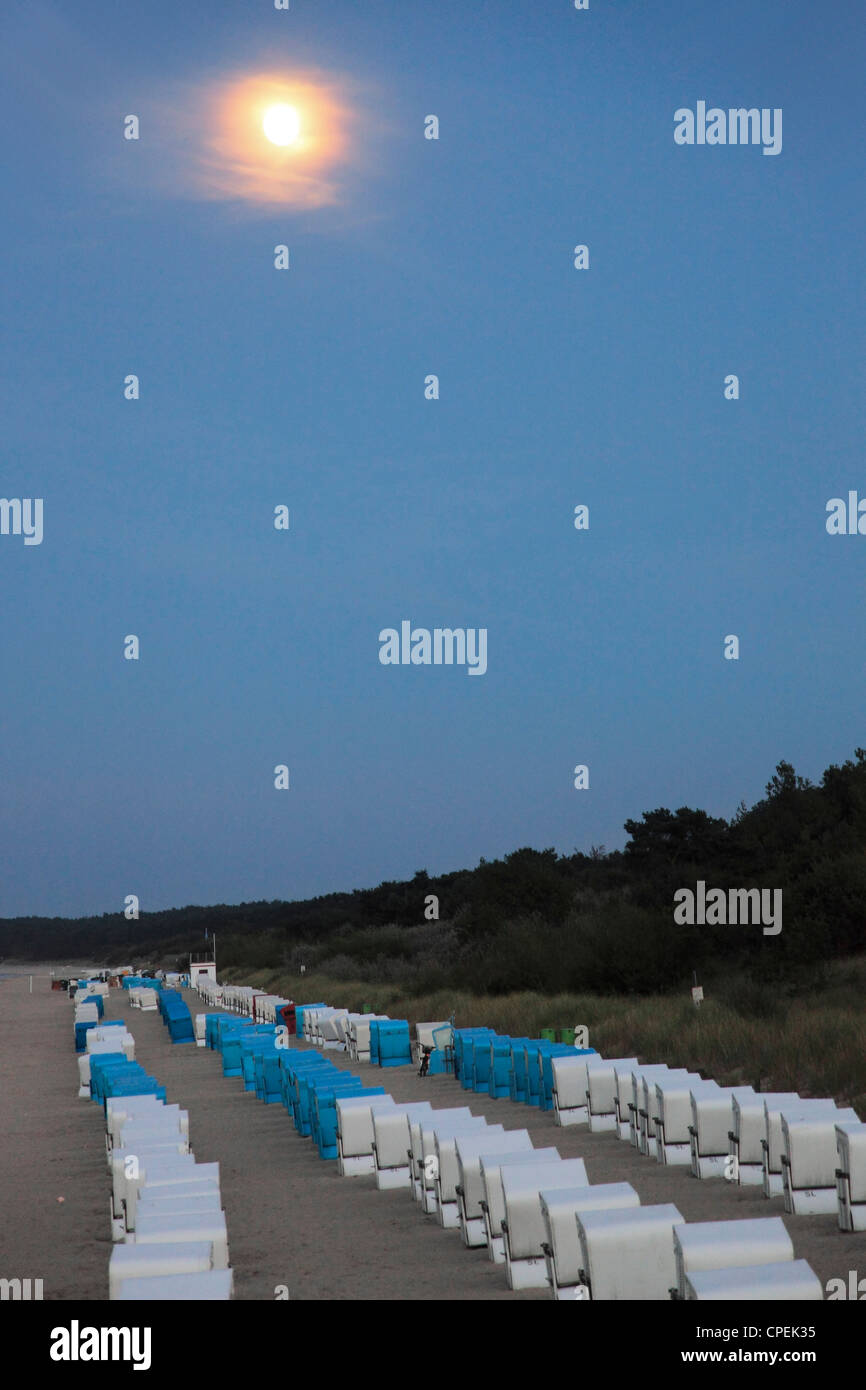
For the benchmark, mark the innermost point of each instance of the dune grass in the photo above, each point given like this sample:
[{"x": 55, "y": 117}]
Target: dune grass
[{"x": 815, "y": 1045}]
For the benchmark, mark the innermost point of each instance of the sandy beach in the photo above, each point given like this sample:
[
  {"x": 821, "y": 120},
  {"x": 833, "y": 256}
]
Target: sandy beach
[{"x": 291, "y": 1219}]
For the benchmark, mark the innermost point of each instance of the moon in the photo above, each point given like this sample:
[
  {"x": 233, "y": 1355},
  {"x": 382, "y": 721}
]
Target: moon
[{"x": 281, "y": 124}]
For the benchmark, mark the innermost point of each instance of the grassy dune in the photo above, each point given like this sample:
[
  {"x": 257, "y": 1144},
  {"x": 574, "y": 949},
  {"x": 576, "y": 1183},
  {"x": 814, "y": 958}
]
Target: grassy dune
[{"x": 815, "y": 1045}]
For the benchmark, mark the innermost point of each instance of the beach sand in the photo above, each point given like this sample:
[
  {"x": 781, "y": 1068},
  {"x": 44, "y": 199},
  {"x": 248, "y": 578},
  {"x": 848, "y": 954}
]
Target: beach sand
[{"x": 292, "y": 1220}]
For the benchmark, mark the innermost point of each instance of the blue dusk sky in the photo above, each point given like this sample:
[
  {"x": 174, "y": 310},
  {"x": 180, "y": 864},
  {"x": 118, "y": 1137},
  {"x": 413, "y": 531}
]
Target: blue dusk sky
[{"x": 305, "y": 388}]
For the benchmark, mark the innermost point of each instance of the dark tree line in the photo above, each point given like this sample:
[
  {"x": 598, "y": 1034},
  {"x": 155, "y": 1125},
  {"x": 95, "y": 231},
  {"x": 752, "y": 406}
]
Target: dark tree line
[{"x": 536, "y": 919}]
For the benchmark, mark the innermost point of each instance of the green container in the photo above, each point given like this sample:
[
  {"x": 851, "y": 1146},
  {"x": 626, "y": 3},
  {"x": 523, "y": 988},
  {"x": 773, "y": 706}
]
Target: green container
[
  {"x": 365, "y": 1009},
  {"x": 566, "y": 1035},
  {"x": 549, "y": 1034}
]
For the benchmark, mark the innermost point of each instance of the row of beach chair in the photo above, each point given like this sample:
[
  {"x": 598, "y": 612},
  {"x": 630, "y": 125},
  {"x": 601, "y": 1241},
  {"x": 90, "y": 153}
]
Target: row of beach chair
[{"x": 167, "y": 1223}]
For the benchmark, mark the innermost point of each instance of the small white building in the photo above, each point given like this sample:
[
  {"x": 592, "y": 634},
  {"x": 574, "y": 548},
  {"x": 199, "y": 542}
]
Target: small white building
[{"x": 201, "y": 970}]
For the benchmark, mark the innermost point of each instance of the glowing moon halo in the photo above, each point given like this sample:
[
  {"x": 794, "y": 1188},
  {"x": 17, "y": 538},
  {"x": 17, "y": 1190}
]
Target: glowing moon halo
[{"x": 281, "y": 124}]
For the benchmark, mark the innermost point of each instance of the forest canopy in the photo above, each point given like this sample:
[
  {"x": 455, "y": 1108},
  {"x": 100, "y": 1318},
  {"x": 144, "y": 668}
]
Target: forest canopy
[{"x": 537, "y": 919}]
